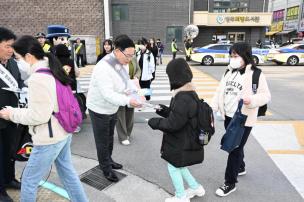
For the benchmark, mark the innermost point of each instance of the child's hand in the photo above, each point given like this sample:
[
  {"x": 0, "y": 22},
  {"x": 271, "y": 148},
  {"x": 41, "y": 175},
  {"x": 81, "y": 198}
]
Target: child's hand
[
  {"x": 163, "y": 110},
  {"x": 246, "y": 100},
  {"x": 5, "y": 113},
  {"x": 153, "y": 123}
]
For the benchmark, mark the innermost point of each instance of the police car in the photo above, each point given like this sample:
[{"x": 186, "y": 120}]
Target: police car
[
  {"x": 290, "y": 54},
  {"x": 219, "y": 54}
]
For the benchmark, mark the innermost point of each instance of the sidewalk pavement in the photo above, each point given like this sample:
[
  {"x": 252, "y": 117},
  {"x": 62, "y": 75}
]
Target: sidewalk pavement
[
  {"x": 270, "y": 176},
  {"x": 148, "y": 180}
]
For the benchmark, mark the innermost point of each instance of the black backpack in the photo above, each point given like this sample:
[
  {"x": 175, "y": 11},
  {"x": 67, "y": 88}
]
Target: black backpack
[
  {"x": 255, "y": 84},
  {"x": 205, "y": 125}
]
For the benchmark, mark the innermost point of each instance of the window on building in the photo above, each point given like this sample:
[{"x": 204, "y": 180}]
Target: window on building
[
  {"x": 120, "y": 12},
  {"x": 174, "y": 32},
  {"x": 239, "y": 6}
]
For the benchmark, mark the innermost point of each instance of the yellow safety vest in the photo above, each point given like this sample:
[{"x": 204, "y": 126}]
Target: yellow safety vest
[
  {"x": 78, "y": 48},
  {"x": 188, "y": 51},
  {"x": 173, "y": 45},
  {"x": 46, "y": 48}
]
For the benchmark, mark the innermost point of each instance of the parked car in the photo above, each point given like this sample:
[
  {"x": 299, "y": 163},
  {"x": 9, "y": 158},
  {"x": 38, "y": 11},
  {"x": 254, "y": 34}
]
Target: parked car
[
  {"x": 219, "y": 54},
  {"x": 291, "y": 54}
]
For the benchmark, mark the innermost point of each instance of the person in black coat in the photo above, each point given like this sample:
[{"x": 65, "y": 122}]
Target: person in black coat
[
  {"x": 180, "y": 144},
  {"x": 8, "y": 130},
  {"x": 154, "y": 51}
]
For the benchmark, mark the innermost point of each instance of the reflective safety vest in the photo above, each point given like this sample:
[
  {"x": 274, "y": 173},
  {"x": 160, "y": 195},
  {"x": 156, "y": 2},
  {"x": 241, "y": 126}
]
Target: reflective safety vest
[
  {"x": 78, "y": 48},
  {"x": 188, "y": 51},
  {"x": 173, "y": 45},
  {"x": 46, "y": 48}
]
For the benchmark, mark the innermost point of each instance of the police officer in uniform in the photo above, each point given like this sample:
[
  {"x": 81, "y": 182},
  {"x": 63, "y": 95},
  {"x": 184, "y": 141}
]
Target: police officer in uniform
[{"x": 42, "y": 40}]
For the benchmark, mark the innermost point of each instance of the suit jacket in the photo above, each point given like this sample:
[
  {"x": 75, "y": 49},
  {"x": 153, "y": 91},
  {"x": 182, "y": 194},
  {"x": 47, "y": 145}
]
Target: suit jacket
[{"x": 8, "y": 98}]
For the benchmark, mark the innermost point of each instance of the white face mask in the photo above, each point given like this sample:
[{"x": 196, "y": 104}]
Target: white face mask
[
  {"x": 236, "y": 62},
  {"x": 24, "y": 67}
]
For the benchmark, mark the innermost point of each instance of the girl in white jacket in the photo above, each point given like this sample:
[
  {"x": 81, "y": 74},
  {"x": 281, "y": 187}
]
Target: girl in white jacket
[
  {"x": 236, "y": 84},
  {"x": 147, "y": 65}
]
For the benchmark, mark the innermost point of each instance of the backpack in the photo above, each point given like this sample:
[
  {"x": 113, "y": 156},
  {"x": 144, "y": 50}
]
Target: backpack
[
  {"x": 255, "y": 84},
  {"x": 205, "y": 121},
  {"x": 69, "y": 115}
]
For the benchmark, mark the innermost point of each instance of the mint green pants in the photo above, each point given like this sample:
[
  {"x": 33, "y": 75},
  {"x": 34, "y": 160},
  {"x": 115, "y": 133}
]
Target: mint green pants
[{"x": 177, "y": 175}]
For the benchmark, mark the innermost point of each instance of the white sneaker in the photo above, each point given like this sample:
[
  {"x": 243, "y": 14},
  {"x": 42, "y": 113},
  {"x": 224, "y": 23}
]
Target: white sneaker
[
  {"x": 125, "y": 142},
  {"x": 175, "y": 199},
  {"x": 200, "y": 191},
  {"x": 78, "y": 129}
]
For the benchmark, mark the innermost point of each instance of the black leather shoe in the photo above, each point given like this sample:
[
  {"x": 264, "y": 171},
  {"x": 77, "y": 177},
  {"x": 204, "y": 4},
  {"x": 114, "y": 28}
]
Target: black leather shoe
[
  {"x": 116, "y": 165},
  {"x": 4, "y": 197},
  {"x": 14, "y": 184},
  {"x": 111, "y": 176}
]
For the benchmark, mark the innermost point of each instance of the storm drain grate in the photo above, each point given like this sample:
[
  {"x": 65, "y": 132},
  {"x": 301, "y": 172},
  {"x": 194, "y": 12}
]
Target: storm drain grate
[{"x": 96, "y": 179}]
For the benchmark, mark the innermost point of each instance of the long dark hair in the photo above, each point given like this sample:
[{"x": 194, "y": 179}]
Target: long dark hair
[
  {"x": 29, "y": 44},
  {"x": 244, "y": 50},
  {"x": 104, "y": 52}
]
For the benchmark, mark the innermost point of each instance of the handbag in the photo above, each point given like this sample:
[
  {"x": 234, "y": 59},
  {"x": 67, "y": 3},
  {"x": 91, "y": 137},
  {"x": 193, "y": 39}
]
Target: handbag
[
  {"x": 235, "y": 130},
  {"x": 23, "y": 144}
]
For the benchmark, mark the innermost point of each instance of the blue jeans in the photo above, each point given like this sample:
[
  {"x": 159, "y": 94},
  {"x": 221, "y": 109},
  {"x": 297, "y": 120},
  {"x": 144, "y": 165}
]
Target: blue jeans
[
  {"x": 177, "y": 175},
  {"x": 39, "y": 164}
]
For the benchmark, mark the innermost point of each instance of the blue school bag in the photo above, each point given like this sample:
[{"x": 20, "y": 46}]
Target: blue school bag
[{"x": 235, "y": 130}]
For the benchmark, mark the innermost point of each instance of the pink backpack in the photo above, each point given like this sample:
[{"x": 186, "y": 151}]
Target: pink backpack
[{"x": 69, "y": 115}]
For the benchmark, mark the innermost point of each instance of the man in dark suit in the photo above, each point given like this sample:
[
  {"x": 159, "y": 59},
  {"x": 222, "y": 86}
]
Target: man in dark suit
[{"x": 7, "y": 129}]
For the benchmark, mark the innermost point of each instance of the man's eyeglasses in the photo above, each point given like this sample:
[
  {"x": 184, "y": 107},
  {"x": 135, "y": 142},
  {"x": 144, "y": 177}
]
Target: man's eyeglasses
[{"x": 127, "y": 56}]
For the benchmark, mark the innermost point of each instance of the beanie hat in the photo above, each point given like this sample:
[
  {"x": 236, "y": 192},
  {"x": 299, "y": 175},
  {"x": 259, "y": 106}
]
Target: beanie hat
[{"x": 179, "y": 73}]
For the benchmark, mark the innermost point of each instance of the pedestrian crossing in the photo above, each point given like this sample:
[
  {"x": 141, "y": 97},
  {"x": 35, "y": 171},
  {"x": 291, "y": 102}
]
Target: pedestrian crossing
[{"x": 205, "y": 86}]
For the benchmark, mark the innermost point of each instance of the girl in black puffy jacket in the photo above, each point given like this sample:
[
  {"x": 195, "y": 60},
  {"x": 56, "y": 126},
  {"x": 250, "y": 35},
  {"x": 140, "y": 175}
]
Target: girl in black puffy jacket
[{"x": 180, "y": 145}]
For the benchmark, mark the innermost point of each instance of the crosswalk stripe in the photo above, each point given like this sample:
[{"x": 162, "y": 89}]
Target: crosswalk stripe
[
  {"x": 160, "y": 98},
  {"x": 204, "y": 84}
]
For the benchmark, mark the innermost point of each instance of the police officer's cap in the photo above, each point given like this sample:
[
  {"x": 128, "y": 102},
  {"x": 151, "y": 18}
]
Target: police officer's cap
[{"x": 40, "y": 35}]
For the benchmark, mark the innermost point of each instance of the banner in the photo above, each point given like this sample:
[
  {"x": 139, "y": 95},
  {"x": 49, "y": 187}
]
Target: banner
[{"x": 292, "y": 13}]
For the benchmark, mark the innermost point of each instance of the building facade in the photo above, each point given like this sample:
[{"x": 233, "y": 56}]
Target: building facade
[
  {"x": 230, "y": 20},
  {"x": 163, "y": 19},
  {"x": 84, "y": 18},
  {"x": 287, "y": 20}
]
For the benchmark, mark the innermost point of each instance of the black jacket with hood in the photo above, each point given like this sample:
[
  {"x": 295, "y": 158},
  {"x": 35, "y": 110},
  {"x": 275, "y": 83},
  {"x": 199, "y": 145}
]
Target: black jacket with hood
[{"x": 180, "y": 145}]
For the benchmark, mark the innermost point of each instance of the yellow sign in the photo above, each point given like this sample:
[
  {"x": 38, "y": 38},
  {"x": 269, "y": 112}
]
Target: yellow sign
[
  {"x": 219, "y": 56},
  {"x": 97, "y": 39},
  {"x": 292, "y": 13},
  {"x": 276, "y": 27}
]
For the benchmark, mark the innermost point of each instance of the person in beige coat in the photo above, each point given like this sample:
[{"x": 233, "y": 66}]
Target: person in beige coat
[
  {"x": 125, "y": 114},
  {"x": 236, "y": 84},
  {"x": 42, "y": 103}
]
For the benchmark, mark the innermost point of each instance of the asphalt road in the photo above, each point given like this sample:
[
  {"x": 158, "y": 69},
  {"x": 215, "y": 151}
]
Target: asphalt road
[{"x": 264, "y": 181}]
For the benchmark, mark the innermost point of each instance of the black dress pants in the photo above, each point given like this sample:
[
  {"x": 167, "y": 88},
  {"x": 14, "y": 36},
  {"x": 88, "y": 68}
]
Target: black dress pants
[
  {"x": 79, "y": 57},
  {"x": 103, "y": 129},
  {"x": 7, "y": 164},
  {"x": 236, "y": 157}
]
